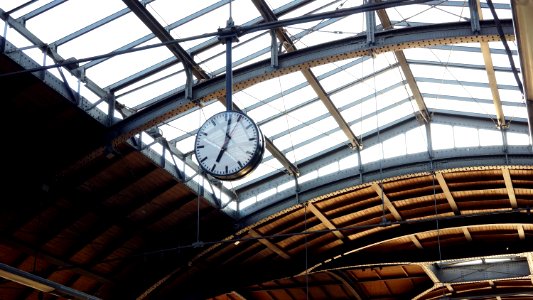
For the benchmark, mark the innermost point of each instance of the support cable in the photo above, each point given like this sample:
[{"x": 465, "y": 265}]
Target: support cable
[{"x": 382, "y": 192}]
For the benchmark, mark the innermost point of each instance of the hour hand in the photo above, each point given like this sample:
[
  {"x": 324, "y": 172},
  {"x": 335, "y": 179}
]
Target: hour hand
[{"x": 221, "y": 152}]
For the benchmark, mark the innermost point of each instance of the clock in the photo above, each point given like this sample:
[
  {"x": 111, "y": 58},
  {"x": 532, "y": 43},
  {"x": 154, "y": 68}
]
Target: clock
[{"x": 229, "y": 145}]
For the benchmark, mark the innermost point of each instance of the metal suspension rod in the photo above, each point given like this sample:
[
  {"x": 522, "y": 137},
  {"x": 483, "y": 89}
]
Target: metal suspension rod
[{"x": 229, "y": 75}]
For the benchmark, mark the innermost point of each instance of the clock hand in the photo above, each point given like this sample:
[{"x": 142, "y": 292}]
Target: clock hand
[{"x": 226, "y": 141}]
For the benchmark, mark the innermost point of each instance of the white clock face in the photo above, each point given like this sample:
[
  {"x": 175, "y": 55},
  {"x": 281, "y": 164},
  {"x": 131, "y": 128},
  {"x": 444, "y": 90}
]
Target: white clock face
[{"x": 229, "y": 145}]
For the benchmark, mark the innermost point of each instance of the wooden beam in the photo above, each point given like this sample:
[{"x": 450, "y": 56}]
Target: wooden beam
[
  {"x": 521, "y": 232},
  {"x": 407, "y": 72},
  {"x": 447, "y": 193},
  {"x": 269, "y": 244},
  {"x": 491, "y": 74},
  {"x": 353, "y": 293},
  {"x": 235, "y": 295},
  {"x": 269, "y": 16},
  {"x": 509, "y": 187},
  {"x": 467, "y": 234},
  {"x": 415, "y": 241},
  {"x": 325, "y": 221},
  {"x": 449, "y": 287},
  {"x": 387, "y": 202}
]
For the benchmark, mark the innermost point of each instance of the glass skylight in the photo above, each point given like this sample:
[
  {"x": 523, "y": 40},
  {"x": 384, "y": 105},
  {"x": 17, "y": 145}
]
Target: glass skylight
[{"x": 375, "y": 97}]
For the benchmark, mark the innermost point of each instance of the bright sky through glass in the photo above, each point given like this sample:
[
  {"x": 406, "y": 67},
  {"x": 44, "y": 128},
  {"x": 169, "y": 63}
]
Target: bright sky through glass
[{"x": 371, "y": 93}]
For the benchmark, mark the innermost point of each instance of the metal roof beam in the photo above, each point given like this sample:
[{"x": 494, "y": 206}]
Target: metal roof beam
[
  {"x": 189, "y": 62},
  {"x": 20, "y": 28},
  {"x": 409, "y": 77},
  {"x": 146, "y": 17},
  {"x": 523, "y": 22},
  {"x": 175, "y": 102},
  {"x": 289, "y": 46},
  {"x": 40, "y": 10}
]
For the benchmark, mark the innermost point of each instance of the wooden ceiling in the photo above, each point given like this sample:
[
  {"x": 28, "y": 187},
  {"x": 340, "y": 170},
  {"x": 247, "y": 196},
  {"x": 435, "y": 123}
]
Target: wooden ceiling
[{"x": 117, "y": 226}]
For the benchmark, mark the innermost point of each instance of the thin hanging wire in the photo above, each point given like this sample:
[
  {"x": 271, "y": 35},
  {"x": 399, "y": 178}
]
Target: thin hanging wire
[
  {"x": 436, "y": 212},
  {"x": 287, "y": 121},
  {"x": 306, "y": 254},
  {"x": 383, "y": 218}
]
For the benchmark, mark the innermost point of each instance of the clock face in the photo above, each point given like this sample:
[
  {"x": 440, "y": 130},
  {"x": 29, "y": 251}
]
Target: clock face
[{"x": 229, "y": 145}]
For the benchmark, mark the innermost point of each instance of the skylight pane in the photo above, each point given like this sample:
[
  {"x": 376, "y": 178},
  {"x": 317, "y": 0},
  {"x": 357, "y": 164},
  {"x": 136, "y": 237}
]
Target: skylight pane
[
  {"x": 285, "y": 186},
  {"x": 334, "y": 31},
  {"x": 66, "y": 18},
  {"x": 371, "y": 154},
  {"x": 186, "y": 145},
  {"x": 312, "y": 175},
  {"x": 319, "y": 145},
  {"x": 465, "y": 136},
  {"x": 153, "y": 79},
  {"x": 419, "y": 13},
  {"x": 104, "y": 39},
  {"x": 416, "y": 140},
  {"x": 473, "y": 106},
  {"x": 125, "y": 65},
  {"x": 456, "y": 90},
  {"x": 490, "y": 137},
  {"x": 395, "y": 146},
  {"x": 515, "y": 111},
  {"x": 328, "y": 169},
  {"x": 146, "y": 93},
  {"x": 511, "y": 95},
  {"x": 350, "y": 161},
  {"x": 168, "y": 11},
  {"x": 515, "y": 138},
  {"x": 247, "y": 202},
  {"x": 351, "y": 94},
  {"x": 441, "y": 136},
  {"x": 8, "y": 5},
  {"x": 213, "y": 60}
]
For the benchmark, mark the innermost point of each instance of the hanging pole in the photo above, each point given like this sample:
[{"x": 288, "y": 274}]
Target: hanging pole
[
  {"x": 229, "y": 71},
  {"x": 228, "y": 35}
]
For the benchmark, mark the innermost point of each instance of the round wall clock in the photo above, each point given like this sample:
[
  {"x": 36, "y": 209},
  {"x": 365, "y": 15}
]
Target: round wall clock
[{"x": 229, "y": 145}]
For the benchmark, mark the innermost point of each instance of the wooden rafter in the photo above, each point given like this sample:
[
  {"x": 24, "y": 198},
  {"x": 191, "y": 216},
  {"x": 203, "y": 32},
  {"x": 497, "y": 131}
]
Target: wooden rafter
[
  {"x": 325, "y": 221},
  {"x": 269, "y": 244},
  {"x": 388, "y": 203},
  {"x": 491, "y": 74},
  {"x": 409, "y": 77},
  {"x": 447, "y": 193},
  {"x": 415, "y": 241},
  {"x": 521, "y": 232},
  {"x": 509, "y": 187},
  {"x": 467, "y": 234}
]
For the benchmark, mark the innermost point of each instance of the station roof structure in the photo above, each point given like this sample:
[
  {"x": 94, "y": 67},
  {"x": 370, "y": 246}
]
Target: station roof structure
[{"x": 398, "y": 162}]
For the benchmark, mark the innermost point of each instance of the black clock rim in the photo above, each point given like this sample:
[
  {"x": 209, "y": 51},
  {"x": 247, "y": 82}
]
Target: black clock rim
[{"x": 252, "y": 164}]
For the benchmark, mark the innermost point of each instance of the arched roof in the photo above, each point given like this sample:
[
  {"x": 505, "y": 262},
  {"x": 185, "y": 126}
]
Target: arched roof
[{"x": 398, "y": 156}]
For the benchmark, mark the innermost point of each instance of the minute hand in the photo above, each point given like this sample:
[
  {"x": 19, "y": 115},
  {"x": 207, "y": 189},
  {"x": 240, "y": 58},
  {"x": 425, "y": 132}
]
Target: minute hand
[{"x": 226, "y": 141}]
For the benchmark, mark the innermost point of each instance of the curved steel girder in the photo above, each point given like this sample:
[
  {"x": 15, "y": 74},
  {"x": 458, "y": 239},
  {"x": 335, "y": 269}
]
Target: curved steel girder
[{"x": 174, "y": 103}]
